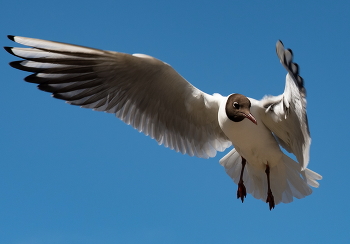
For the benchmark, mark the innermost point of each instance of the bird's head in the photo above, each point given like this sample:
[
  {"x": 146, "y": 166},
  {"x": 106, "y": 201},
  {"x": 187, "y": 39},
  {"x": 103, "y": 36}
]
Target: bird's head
[{"x": 238, "y": 108}]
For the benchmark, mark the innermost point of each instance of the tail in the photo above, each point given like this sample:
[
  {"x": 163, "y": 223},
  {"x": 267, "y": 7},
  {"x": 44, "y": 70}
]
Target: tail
[{"x": 287, "y": 178}]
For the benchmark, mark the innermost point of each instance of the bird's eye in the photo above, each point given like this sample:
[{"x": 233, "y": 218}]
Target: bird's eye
[{"x": 236, "y": 105}]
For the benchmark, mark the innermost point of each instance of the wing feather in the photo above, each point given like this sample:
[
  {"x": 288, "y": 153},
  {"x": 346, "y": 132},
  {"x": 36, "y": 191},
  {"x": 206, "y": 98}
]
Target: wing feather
[
  {"x": 285, "y": 115},
  {"x": 141, "y": 90}
]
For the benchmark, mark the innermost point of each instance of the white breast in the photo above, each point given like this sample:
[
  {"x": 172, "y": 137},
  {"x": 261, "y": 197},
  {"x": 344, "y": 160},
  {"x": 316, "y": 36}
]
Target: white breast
[{"x": 253, "y": 142}]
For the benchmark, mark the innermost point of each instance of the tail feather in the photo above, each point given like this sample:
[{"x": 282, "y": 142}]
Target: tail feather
[
  {"x": 312, "y": 177},
  {"x": 287, "y": 178},
  {"x": 232, "y": 162},
  {"x": 299, "y": 185},
  {"x": 257, "y": 185}
]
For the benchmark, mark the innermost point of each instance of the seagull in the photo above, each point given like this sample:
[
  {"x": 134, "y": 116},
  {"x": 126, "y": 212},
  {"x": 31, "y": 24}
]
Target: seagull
[{"x": 151, "y": 96}]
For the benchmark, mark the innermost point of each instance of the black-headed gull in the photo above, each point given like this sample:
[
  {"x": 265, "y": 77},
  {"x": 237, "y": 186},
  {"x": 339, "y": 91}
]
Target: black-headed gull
[{"x": 152, "y": 97}]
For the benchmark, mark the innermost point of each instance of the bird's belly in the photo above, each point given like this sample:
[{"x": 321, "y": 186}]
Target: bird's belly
[{"x": 253, "y": 142}]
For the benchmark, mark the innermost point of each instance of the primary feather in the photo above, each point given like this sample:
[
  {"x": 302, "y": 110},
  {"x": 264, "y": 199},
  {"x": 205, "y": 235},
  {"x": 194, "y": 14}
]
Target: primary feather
[
  {"x": 152, "y": 97},
  {"x": 141, "y": 90}
]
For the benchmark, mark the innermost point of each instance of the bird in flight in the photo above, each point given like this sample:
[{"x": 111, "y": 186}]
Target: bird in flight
[{"x": 152, "y": 97}]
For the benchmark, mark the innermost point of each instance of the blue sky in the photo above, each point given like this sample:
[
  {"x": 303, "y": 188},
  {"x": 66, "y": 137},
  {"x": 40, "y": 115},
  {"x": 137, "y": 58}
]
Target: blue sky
[{"x": 71, "y": 175}]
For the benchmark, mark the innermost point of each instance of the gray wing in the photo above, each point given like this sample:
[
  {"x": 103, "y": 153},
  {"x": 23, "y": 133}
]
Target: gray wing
[
  {"x": 285, "y": 115},
  {"x": 141, "y": 90}
]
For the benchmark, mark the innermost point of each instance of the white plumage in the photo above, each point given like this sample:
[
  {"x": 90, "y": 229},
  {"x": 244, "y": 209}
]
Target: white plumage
[{"x": 152, "y": 97}]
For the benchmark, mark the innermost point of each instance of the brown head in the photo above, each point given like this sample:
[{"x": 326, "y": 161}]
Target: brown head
[{"x": 238, "y": 108}]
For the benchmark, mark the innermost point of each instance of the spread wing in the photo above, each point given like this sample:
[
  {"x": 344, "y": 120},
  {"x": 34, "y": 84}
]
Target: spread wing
[
  {"x": 285, "y": 115},
  {"x": 141, "y": 90}
]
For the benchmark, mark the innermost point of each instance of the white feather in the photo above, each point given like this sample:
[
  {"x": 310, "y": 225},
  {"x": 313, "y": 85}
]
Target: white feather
[{"x": 152, "y": 97}]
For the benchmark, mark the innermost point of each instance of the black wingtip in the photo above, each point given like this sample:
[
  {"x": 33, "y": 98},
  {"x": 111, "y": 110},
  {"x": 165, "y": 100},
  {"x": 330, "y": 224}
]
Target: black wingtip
[
  {"x": 45, "y": 87},
  {"x": 58, "y": 96},
  {"x": 9, "y": 50},
  {"x": 32, "y": 79},
  {"x": 11, "y": 37},
  {"x": 16, "y": 64},
  {"x": 19, "y": 65},
  {"x": 280, "y": 42}
]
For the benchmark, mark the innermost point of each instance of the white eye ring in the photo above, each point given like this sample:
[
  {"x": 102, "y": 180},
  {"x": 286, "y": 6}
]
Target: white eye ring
[{"x": 236, "y": 105}]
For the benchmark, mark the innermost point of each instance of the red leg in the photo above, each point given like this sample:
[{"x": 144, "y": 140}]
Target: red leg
[
  {"x": 241, "y": 192},
  {"x": 270, "y": 199}
]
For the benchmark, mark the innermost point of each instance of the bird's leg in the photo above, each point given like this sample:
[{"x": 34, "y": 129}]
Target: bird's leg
[
  {"x": 270, "y": 199},
  {"x": 241, "y": 192}
]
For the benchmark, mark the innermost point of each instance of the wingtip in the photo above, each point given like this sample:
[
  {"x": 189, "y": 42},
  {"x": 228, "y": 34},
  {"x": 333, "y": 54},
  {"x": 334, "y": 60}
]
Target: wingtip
[
  {"x": 32, "y": 79},
  {"x": 15, "y": 64},
  {"x": 279, "y": 47},
  {"x": 11, "y": 37},
  {"x": 57, "y": 95},
  {"x": 9, "y": 50}
]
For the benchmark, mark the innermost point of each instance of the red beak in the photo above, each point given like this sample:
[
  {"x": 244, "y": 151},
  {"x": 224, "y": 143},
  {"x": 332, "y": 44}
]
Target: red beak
[{"x": 251, "y": 118}]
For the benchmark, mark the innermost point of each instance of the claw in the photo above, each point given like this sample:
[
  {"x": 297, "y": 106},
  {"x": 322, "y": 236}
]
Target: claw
[
  {"x": 241, "y": 192},
  {"x": 270, "y": 199}
]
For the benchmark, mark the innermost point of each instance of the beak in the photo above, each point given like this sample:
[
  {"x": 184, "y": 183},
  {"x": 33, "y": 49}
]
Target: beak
[{"x": 251, "y": 118}]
